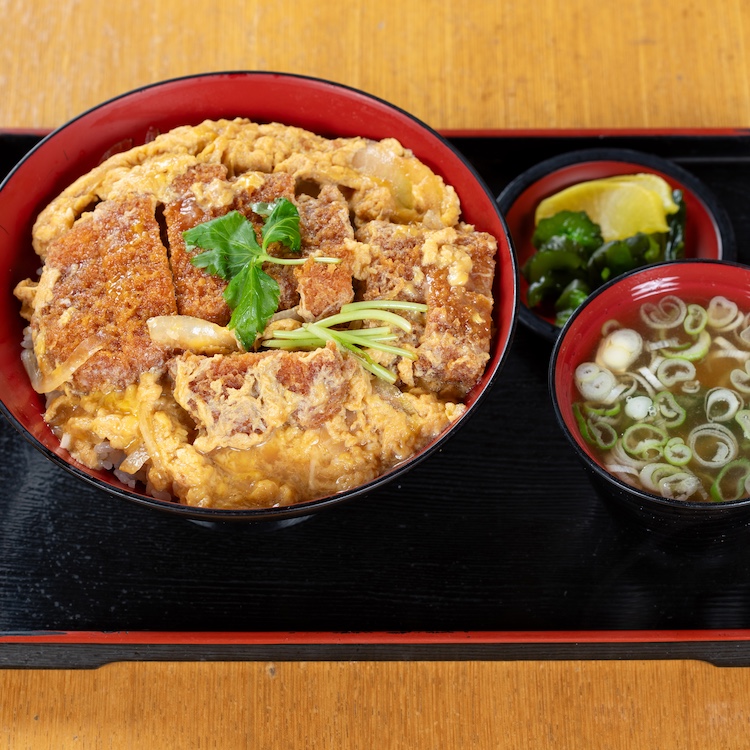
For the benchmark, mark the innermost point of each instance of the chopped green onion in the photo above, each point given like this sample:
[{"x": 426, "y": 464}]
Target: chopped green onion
[
  {"x": 604, "y": 435},
  {"x": 677, "y": 452},
  {"x": 644, "y": 440},
  {"x": 730, "y": 484},
  {"x": 669, "y": 409},
  {"x": 695, "y": 320},
  {"x": 697, "y": 351}
]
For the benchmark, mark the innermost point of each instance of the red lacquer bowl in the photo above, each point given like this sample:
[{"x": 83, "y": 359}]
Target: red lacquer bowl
[
  {"x": 325, "y": 108},
  {"x": 708, "y": 232},
  {"x": 577, "y": 343}
]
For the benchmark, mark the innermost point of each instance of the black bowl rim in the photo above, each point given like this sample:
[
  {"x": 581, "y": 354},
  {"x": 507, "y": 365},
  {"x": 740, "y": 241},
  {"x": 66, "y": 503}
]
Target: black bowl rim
[
  {"x": 645, "y": 497},
  {"x": 509, "y": 195},
  {"x": 297, "y": 510}
]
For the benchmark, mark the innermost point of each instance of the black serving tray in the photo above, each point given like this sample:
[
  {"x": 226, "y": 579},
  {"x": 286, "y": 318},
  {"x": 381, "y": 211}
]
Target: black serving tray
[{"x": 498, "y": 542}]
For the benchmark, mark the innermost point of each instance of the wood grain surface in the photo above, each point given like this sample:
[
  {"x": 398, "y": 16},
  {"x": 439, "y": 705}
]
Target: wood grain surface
[
  {"x": 474, "y": 64},
  {"x": 470, "y": 65},
  {"x": 415, "y": 705}
]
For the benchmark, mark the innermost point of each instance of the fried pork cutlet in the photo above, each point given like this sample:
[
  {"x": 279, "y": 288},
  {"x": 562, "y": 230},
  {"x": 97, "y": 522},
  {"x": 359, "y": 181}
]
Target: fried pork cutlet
[
  {"x": 198, "y": 293},
  {"x": 450, "y": 270},
  {"x": 326, "y": 231},
  {"x": 202, "y": 194},
  {"x": 105, "y": 277}
]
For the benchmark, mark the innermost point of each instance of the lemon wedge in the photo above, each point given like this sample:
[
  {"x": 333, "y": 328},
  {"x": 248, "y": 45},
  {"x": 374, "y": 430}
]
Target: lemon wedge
[
  {"x": 651, "y": 182},
  {"x": 622, "y": 205}
]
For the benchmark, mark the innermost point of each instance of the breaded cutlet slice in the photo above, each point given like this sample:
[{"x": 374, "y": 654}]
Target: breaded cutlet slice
[
  {"x": 106, "y": 276},
  {"x": 237, "y": 399},
  {"x": 326, "y": 231},
  {"x": 454, "y": 347},
  {"x": 198, "y": 292},
  {"x": 451, "y": 271},
  {"x": 279, "y": 185},
  {"x": 203, "y": 193}
]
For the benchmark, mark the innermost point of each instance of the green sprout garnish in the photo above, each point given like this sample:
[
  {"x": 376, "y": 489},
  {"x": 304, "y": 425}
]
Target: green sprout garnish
[{"x": 354, "y": 339}]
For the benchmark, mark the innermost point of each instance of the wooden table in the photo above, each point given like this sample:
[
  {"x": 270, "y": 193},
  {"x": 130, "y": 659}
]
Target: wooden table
[{"x": 473, "y": 65}]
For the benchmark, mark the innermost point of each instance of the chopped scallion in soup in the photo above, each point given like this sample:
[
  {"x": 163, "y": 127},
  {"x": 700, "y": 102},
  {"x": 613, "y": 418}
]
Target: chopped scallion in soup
[{"x": 664, "y": 401}]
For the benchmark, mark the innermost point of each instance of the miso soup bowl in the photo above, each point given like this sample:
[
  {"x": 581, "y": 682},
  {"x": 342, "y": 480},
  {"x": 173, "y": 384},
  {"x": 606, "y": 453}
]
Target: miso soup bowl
[
  {"x": 320, "y": 106},
  {"x": 708, "y": 232},
  {"x": 578, "y": 342}
]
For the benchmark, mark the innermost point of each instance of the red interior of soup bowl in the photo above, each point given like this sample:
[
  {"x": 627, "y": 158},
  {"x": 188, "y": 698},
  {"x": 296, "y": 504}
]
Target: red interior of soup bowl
[
  {"x": 579, "y": 338},
  {"x": 322, "y": 107}
]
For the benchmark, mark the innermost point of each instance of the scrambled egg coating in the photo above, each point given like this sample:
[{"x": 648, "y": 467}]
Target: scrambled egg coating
[{"x": 218, "y": 426}]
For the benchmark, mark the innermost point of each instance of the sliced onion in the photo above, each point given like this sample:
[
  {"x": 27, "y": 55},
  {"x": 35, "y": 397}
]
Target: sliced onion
[
  {"x": 668, "y": 313},
  {"x": 618, "y": 455},
  {"x": 721, "y": 404},
  {"x": 744, "y": 334},
  {"x": 723, "y": 314},
  {"x": 633, "y": 381},
  {"x": 594, "y": 383},
  {"x": 652, "y": 474},
  {"x": 740, "y": 379},
  {"x": 670, "y": 481},
  {"x": 673, "y": 371},
  {"x": 653, "y": 346},
  {"x": 682, "y": 485},
  {"x": 713, "y": 445},
  {"x": 742, "y": 417},
  {"x": 191, "y": 334},
  {"x": 691, "y": 386},
  {"x": 728, "y": 350},
  {"x": 609, "y": 326},
  {"x": 650, "y": 378},
  {"x": 623, "y": 471},
  {"x": 135, "y": 460},
  {"x": 65, "y": 370}
]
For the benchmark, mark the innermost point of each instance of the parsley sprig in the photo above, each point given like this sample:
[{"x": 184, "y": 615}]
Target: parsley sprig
[{"x": 232, "y": 252}]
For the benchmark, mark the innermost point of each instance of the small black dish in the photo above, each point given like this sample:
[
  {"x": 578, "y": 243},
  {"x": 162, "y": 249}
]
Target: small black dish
[{"x": 709, "y": 231}]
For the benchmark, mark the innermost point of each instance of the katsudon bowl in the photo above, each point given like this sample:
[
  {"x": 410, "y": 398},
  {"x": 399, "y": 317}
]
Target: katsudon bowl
[{"x": 135, "y": 118}]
